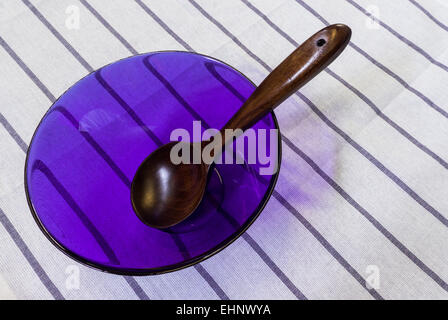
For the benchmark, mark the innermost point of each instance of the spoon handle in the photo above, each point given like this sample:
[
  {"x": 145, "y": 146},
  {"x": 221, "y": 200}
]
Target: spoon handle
[{"x": 295, "y": 71}]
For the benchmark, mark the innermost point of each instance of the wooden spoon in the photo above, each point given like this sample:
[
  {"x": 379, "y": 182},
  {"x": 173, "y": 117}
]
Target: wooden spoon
[{"x": 163, "y": 194}]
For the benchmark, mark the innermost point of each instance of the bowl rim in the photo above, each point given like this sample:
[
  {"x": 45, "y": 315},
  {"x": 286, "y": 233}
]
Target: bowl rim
[{"x": 171, "y": 267}]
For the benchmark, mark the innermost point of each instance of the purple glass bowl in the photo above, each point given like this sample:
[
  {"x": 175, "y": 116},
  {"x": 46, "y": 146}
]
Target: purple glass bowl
[{"x": 89, "y": 144}]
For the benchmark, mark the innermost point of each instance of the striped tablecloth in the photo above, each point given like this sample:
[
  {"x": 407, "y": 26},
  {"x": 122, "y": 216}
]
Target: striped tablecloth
[{"x": 360, "y": 210}]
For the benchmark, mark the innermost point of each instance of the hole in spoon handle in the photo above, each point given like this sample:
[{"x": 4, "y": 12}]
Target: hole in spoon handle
[{"x": 321, "y": 42}]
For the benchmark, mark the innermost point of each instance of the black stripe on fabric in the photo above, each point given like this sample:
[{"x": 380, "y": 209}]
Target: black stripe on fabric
[
  {"x": 164, "y": 25},
  {"x": 141, "y": 294},
  {"x": 349, "y": 199},
  {"x": 336, "y": 255},
  {"x": 200, "y": 269},
  {"x": 429, "y": 15},
  {"x": 35, "y": 265},
  {"x": 364, "y": 152},
  {"x": 386, "y": 70},
  {"x": 354, "y": 144},
  {"x": 211, "y": 281},
  {"x": 263, "y": 255},
  {"x": 58, "y": 35},
  {"x": 389, "y": 121},
  {"x": 32, "y": 261},
  {"x": 364, "y": 98},
  {"x": 109, "y": 27},
  {"x": 400, "y": 246},
  {"x": 27, "y": 70},
  {"x": 273, "y": 266},
  {"x": 13, "y": 133},
  {"x": 400, "y": 37}
]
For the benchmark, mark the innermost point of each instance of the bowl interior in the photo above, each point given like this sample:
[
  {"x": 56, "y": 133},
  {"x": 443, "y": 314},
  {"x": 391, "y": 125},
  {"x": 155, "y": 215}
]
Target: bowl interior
[{"x": 90, "y": 143}]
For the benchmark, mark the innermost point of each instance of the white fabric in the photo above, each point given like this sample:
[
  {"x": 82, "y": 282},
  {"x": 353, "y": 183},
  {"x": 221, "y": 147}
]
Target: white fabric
[{"x": 364, "y": 197}]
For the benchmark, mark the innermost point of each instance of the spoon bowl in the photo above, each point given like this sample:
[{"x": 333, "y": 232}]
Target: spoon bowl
[{"x": 164, "y": 193}]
